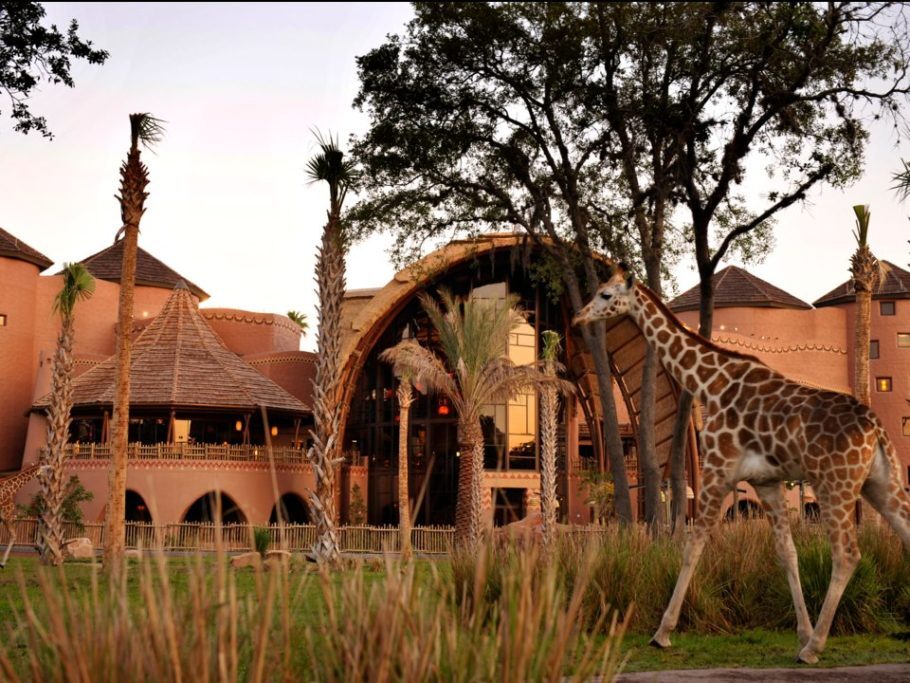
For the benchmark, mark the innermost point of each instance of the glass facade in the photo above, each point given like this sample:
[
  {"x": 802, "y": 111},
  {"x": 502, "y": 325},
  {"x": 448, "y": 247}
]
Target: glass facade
[{"x": 510, "y": 429}]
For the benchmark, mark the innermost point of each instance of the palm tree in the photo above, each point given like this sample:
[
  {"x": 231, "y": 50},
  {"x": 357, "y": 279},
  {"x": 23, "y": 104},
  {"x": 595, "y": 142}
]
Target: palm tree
[
  {"x": 147, "y": 130},
  {"x": 329, "y": 166},
  {"x": 549, "y": 409},
  {"x": 405, "y": 399},
  {"x": 472, "y": 335},
  {"x": 301, "y": 320},
  {"x": 78, "y": 285},
  {"x": 864, "y": 268}
]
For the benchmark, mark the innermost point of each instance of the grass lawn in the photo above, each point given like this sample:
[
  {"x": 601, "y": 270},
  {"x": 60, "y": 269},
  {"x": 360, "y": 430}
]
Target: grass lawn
[{"x": 755, "y": 648}]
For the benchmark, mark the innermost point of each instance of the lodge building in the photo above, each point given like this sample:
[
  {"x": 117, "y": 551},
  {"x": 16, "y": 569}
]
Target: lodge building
[{"x": 217, "y": 392}]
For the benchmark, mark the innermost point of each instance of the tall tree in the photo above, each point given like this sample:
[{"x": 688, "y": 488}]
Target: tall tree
[
  {"x": 475, "y": 371},
  {"x": 549, "y": 415},
  {"x": 31, "y": 53},
  {"x": 78, "y": 285},
  {"x": 576, "y": 120},
  {"x": 146, "y": 130},
  {"x": 301, "y": 320},
  {"x": 339, "y": 174},
  {"x": 864, "y": 269},
  {"x": 405, "y": 399}
]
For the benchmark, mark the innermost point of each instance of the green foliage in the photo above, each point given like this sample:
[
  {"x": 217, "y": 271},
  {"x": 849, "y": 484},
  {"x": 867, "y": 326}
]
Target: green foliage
[
  {"x": 329, "y": 165},
  {"x": 551, "y": 345},
  {"x": 357, "y": 513},
  {"x": 301, "y": 320},
  {"x": 71, "y": 510},
  {"x": 262, "y": 539},
  {"x": 78, "y": 285},
  {"x": 601, "y": 493},
  {"x": 31, "y": 53},
  {"x": 146, "y": 129},
  {"x": 861, "y": 233}
]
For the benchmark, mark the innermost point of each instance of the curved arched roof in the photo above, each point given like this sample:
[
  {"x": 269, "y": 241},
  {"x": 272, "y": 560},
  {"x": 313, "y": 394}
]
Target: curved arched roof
[{"x": 365, "y": 322}]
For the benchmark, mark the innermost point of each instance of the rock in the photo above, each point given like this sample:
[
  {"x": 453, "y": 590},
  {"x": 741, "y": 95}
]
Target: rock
[
  {"x": 275, "y": 559},
  {"x": 246, "y": 560},
  {"x": 79, "y": 549}
]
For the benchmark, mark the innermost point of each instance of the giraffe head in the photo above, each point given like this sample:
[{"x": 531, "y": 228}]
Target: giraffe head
[{"x": 613, "y": 298}]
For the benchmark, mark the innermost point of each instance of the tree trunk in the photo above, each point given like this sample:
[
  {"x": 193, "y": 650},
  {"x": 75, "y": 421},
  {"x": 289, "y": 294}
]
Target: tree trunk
[
  {"x": 549, "y": 408},
  {"x": 468, "y": 505},
  {"x": 647, "y": 446},
  {"x": 324, "y": 455},
  {"x": 405, "y": 398},
  {"x": 50, "y": 528}
]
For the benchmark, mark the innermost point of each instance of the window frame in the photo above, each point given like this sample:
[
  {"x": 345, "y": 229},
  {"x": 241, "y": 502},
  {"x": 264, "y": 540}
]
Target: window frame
[
  {"x": 878, "y": 385},
  {"x": 876, "y": 354},
  {"x": 906, "y": 337},
  {"x": 893, "y": 307}
]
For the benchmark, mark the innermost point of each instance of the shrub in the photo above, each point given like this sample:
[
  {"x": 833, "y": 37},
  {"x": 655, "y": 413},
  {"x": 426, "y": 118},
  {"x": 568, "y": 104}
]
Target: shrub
[{"x": 262, "y": 539}]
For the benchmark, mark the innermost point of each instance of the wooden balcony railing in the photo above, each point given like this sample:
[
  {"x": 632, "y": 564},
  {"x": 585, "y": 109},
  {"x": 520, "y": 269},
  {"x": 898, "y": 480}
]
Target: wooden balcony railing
[{"x": 198, "y": 451}]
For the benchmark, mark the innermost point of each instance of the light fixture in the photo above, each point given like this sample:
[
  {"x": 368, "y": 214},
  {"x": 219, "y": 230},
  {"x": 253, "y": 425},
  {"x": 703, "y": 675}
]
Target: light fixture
[
  {"x": 274, "y": 430},
  {"x": 238, "y": 425},
  {"x": 443, "y": 408}
]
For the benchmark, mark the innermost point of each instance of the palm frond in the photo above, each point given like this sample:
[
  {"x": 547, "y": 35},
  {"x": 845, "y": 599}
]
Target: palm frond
[
  {"x": 408, "y": 358},
  {"x": 78, "y": 285},
  {"x": 300, "y": 319},
  {"x": 330, "y": 165},
  {"x": 502, "y": 380},
  {"x": 551, "y": 345},
  {"x": 146, "y": 129},
  {"x": 862, "y": 224},
  {"x": 902, "y": 181}
]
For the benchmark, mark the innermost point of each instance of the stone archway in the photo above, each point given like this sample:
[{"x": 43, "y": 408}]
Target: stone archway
[{"x": 136, "y": 509}]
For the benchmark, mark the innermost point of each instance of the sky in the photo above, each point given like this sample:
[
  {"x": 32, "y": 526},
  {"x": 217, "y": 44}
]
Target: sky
[{"x": 242, "y": 88}]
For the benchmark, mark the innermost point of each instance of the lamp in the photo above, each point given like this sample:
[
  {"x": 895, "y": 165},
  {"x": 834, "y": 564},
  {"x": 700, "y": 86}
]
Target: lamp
[
  {"x": 443, "y": 408},
  {"x": 274, "y": 430},
  {"x": 238, "y": 426}
]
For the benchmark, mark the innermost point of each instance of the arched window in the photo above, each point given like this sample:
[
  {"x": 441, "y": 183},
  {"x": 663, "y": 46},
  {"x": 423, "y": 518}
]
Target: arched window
[
  {"x": 205, "y": 509},
  {"x": 294, "y": 510},
  {"x": 136, "y": 509}
]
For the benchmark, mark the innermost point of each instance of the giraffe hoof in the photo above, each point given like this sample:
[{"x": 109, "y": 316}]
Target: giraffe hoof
[
  {"x": 806, "y": 656},
  {"x": 660, "y": 642}
]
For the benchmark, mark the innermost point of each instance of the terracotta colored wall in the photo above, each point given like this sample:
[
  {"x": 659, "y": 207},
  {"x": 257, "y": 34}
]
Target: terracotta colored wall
[
  {"x": 293, "y": 371},
  {"x": 18, "y": 295},
  {"x": 247, "y": 333},
  {"x": 892, "y": 407}
]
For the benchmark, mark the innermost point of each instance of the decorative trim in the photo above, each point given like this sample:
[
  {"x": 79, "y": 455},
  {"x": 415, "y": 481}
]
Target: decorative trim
[
  {"x": 272, "y": 319},
  {"x": 830, "y": 348},
  {"x": 207, "y": 465}
]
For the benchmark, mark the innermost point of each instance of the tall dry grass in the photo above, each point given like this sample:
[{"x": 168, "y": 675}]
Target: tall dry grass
[
  {"x": 738, "y": 585},
  {"x": 405, "y": 624}
]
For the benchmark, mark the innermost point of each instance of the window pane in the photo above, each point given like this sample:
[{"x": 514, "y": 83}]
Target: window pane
[
  {"x": 905, "y": 424},
  {"x": 886, "y": 307},
  {"x": 903, "y": 340},
  {"x": 873, "y": 349},
  {"x": 883, "y": 383},
  {"x": 2, "y": 320}
]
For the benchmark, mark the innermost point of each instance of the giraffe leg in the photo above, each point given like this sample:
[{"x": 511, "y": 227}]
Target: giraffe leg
[
  {"x": 776, "y": 507},
  {"x": 845, "y": 555},
  {"x": 12, "y": 539},
  {"x": 710, "y": 501},
  {"x": 884, "y": 491}
]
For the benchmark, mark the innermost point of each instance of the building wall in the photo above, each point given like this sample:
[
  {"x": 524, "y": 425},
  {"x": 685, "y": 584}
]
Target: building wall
[
  {"x": 247, "y": 333},
  {"x": 18, "y": 294}
]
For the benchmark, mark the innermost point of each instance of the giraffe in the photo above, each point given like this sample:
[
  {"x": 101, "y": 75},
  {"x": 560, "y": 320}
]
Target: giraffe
[
  {"x": 8, "y": 489},
  {"x": 766, "y": 429}
]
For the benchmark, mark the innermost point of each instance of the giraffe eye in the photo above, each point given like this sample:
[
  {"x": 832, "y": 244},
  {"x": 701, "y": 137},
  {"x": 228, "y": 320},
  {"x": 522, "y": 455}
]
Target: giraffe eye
[{"x": 605, "y": 296}]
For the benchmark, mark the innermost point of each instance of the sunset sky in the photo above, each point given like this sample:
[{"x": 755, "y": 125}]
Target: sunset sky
[{"x": 241, "y": 88}]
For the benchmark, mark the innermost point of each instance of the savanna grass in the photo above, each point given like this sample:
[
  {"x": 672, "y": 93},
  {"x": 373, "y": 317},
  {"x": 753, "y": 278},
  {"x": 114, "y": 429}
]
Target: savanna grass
[{"x": 403, "y": 623}]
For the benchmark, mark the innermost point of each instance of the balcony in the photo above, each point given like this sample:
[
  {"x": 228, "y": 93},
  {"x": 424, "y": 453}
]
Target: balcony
[{"x": 283, "y": 455}]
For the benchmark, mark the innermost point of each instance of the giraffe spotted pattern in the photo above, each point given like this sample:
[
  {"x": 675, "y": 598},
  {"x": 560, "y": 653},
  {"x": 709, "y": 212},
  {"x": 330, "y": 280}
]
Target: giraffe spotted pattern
[{"x": 766, "y": 429}]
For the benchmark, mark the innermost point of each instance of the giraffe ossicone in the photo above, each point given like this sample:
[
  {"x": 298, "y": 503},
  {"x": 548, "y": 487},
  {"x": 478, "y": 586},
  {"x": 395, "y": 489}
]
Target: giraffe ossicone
[{"x": 765, "y": 429}]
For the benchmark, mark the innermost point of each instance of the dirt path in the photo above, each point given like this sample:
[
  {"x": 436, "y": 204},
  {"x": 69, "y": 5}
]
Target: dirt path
[{"x": 876, "y": 673}]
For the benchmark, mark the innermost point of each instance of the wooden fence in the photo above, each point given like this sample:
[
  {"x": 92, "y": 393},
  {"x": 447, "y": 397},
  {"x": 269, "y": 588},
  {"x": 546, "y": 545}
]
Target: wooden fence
[{"x": 239, "y": 537}]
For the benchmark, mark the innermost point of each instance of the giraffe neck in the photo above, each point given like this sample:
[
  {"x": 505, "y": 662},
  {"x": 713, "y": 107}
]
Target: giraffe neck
[
  {"x": 12, "y": 484},
  {"x": 694, "y": 363}
]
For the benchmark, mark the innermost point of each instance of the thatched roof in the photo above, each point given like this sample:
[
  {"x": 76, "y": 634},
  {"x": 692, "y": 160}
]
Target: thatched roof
[
  {"x": 179, "y": 362},
  {"x": 734, "y": 287},
  {"x": 895, "y": 285},
  {"x": 14, "y": 248},
  {"x": 150, "y": 272}
]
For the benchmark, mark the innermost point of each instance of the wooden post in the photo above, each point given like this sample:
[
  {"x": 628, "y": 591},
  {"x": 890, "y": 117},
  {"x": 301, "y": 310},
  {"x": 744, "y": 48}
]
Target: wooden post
[
  {"x": 172, "y": 427},
  {"x": 106, "y": 428},
  {"x": 246, "y": 429}
]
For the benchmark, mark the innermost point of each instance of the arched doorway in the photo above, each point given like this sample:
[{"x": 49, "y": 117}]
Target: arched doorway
[
  {"x": 746, "y": 509},
  {"x": 204, "y": 509},
  {"x": 136, "y": 509},
  {"x": 294, "y": 510}
]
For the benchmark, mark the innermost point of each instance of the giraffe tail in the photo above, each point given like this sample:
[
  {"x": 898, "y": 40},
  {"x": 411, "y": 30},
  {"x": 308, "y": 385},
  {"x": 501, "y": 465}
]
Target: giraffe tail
[{"x": 889, "y": 451}]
